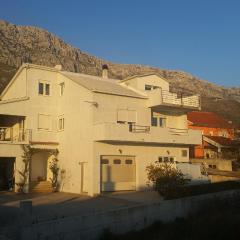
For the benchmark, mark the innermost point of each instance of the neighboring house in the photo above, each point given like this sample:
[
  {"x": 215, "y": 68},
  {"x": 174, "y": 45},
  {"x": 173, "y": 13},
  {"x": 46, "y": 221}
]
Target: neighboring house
[
  {"x": 106, "y": 131},
  {"x": 218, "y": 140}
]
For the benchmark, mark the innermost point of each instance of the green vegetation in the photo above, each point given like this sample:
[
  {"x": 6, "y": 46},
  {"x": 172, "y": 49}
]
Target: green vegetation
[
  {"x": 169, "y": 182},
  {"x": 166, "y": 179}
]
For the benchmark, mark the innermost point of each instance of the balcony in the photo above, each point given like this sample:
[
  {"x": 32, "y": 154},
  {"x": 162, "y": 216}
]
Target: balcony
[
  {"x": 11, "y": 135},
  {"x": 110, "y": 132},
  {"x": 12, "y": 129},
  {"x": 165, "y": 98}
]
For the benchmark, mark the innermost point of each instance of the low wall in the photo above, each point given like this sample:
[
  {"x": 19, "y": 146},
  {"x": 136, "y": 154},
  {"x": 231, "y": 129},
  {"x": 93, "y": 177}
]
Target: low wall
[
  {"x": 221, "y": 178},
  {"x": 120, "y": 220}
]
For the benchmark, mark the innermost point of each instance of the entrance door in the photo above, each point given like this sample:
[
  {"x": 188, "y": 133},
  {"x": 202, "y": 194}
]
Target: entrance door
[
  {"x": 6, "y": 173},
  {"x": 118, "y": 173}
]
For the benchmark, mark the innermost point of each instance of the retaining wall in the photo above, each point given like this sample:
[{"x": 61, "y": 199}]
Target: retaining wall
[{"x": 122, "y": 220}]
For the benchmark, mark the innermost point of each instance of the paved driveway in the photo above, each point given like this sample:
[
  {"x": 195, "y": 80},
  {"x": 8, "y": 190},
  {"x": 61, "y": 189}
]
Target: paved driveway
[{"x": 59, "y": 205}]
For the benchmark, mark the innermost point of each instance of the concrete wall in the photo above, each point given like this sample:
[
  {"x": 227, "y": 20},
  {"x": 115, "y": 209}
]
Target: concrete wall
[
  {"x": 120, "y": 220},
  {"x": 144, "y": 156},
  {"x": 221, "y": 164},
  {"x": 220, "y": 178},
  {"x": 18, "y": 88},
  {"x": 140, "y": 82}
]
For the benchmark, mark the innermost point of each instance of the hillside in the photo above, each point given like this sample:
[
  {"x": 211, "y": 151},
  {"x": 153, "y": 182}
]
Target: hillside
[{"x": 20, "y": 44}]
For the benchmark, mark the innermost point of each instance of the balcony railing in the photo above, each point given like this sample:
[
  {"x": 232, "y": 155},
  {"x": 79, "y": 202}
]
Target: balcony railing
[
  {"x": 9, "y": 134},
  {"x": 138, "y": 128},
  {"x": 136, "y": 133},
  {"x": 174, "y": 98},
  {"x": 178, "y": 131},
  {"x": 163, "y": 97}
]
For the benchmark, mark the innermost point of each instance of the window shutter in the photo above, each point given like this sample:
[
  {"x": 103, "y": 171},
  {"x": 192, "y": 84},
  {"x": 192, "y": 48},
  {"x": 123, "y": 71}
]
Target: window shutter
[
  {"x": 132, "y": 116},
  {"x": 122, "y": 115}
]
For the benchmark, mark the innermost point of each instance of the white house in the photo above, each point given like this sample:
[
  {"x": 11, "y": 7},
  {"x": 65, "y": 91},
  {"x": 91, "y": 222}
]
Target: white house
[{"x": 106, "y": 131}]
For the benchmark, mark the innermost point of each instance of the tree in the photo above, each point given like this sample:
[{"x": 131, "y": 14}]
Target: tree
[
  {"x": 53, "y": 166},
  {"x": 166, "y": 179}
]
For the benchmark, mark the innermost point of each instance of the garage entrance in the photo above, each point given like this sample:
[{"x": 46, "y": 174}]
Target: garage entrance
[
  {"x": 6, "y": 173},
  {"x": 118, "y": 173}
]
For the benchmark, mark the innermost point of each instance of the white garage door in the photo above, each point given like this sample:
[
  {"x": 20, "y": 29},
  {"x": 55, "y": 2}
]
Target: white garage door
[{"x": 118, "y": 173}]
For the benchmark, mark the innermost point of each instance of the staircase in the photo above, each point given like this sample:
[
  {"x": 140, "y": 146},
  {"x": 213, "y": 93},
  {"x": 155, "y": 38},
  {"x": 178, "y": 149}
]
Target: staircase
[{"x": 40, "y": 187}]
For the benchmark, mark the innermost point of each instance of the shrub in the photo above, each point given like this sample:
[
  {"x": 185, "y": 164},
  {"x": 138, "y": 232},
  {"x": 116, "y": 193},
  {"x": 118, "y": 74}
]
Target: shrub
[{"x": 166, "y": 179}]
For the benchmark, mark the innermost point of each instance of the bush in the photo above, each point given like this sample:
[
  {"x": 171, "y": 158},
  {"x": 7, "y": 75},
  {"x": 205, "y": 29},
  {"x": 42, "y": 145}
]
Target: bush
[{"x": 166, "y": 179}]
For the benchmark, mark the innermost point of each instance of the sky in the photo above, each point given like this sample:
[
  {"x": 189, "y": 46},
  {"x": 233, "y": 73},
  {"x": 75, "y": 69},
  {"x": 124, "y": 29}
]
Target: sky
[{"x": 201, "y": 37}]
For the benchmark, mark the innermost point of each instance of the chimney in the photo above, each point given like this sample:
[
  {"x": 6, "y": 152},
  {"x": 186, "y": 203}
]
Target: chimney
[
  {"x": 58, "y": 67},
  {"x": 105, "y": 71}
]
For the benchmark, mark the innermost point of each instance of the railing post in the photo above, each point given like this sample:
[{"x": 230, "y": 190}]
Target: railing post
[
  {"x": 181, "y": 99},
  {"x": 11, "y": 134}
]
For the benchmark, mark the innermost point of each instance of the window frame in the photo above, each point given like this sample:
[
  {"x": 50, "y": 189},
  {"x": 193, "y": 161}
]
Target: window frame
[
  {"x": 61, "y": 88},
  {"x": 117, "y": 161},
  {"x": 166, "y": 159},
  {"x": 45, "y": 83},
  {"x": 183, "y": 151},
  {"x": 51, "y": 123},
  {"x": 160, "y": 122},
  {"x": 61, "y": 127}
]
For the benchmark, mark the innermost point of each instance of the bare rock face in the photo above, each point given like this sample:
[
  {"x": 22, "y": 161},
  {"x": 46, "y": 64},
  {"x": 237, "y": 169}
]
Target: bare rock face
[{"x": 22, "y": 44}]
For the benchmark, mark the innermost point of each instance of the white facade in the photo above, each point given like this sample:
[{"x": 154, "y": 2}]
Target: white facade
[{"x": 87, "y": 117}]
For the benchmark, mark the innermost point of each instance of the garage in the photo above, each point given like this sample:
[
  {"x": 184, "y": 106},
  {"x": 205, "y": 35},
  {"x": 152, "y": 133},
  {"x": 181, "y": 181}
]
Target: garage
[
  {"x": 6, "y": 173},
  {"x": 118, "y": 173}
]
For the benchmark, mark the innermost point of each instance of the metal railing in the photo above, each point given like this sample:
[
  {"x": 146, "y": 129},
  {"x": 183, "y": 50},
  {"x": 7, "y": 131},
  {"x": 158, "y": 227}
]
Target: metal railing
[
  {"x": 8, "y": 134},
  {"x": 138, "y": 128}
]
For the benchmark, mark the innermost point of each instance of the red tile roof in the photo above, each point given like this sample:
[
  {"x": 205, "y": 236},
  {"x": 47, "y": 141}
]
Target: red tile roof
[
  {"x": 208, "y": 119},
  {"x": 225, "y": 141}
]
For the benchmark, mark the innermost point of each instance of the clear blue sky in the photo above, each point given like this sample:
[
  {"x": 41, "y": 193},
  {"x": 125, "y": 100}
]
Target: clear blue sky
[{"x": 197, "y": 36}]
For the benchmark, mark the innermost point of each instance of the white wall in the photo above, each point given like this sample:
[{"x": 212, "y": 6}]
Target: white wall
[
  {"x": 145, "y": 155},
  {"x": 140, "y": 82}
]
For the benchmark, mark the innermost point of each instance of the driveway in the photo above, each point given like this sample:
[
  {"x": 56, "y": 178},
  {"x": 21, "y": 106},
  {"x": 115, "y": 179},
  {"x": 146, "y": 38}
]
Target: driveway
[{"x": 59, "y": 205}]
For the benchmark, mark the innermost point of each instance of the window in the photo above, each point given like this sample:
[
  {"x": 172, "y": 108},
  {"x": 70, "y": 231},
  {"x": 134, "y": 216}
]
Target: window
[
  {"x": 61, "y": 122},
  {"x": 212, "y": 166},
  {"x": 61, "y": 88},
  {"x": 128, "y": 161},
  {"x": 44, "y": 122},
  {"x": 47, "y": 89},
  {"x": 162, "y": 122},
  {"x": 184, "y": 153},
  {"x": 117, "y": 161},
  {"x": 159, "y": 121},
  {"x": 154, "y": 121},
  {"x": 104, "y": 161},
  {"x": 40, "y": 88},
  {"x": 44, "y": 88},
  {"x": 126, "y": 116},
  {"x": 163, "y": 159},
  {"x": 148, "y": 87}
]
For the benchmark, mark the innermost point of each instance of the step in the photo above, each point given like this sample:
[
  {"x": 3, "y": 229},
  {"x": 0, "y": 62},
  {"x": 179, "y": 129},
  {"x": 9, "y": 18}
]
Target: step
[{"x": 43, "y": 186}]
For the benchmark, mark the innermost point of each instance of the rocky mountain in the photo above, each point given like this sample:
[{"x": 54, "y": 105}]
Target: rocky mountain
[{"x": 19, "y": 44}]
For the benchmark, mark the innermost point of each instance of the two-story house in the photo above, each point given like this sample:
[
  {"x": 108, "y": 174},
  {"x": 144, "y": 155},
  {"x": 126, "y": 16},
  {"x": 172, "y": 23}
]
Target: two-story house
[{"x": 106, "y": 131}]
